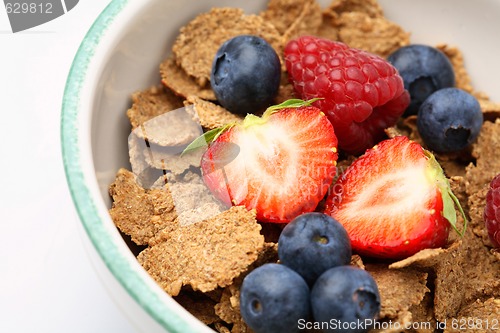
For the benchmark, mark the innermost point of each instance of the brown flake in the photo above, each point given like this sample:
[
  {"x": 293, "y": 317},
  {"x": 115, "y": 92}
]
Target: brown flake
[
  {"x": 369, "y": 7},
  {"x": 284, "y": 13},
  {"x": 211, "y": 115},
  {"x": 174, "y": 129},
  {"x": 293, "y": 18},
  {"x": 151, "y": 103},
  {"x": 138, "y": 212},
  {"x": 458, "y": 187},
  {"x": 176, "y": 79},
  {"x": 462, "y": 78},
  {"x": 477, "y": 202},
  {"x": 479, "y": 176},
  {"x": 161, "y": 158},
  {"x": 193, "y": 200},
  {"x": 357, "y": 261},
  {"x": 399, "y": 289},
  {"x": 393, "y": 132},
  {"x": 285, "y": 92},
  {"x": 199, "y": 40},
  {"x": 423, "y": 258},
  {"x": 423, "y": 316},
  {"x": 376, "y": 35},
  {"x": 221, "y": 328},
  {"x": 199, "y": 305},
  {"x": 465, "y": 274},
  {"x": 204, "y": 255},
  {"x": 329, "y": 27},
  {"x": 483, "y": 317},
  {"x": 485, "y": 150},
  {"x": 491, "y": 110}
]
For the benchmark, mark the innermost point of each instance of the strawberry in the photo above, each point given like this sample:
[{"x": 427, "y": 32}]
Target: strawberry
[
  {"x": 280, "y": 164},
  {"x": 361, "y": 93},
  {"x": 394, "y": 201}
]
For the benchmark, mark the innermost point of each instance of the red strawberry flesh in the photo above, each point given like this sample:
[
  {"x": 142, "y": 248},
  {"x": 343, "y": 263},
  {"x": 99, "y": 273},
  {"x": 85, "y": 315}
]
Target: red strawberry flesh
[
  {"x": 392, "y": 201},
  {"x": 281, "y": 165},
  {"x": 361, "y": 93}
]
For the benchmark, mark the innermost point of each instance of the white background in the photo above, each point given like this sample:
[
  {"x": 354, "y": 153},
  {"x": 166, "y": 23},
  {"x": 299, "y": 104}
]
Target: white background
[{"x": 47, "y": 282}]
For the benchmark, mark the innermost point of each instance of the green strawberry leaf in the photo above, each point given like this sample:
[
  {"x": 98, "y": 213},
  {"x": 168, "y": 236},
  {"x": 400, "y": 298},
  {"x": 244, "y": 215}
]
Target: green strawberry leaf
[
  {"x": 206, "y": 138},
  {"x": 449, "y": 199},
  {"x": 290, "y": 103}
]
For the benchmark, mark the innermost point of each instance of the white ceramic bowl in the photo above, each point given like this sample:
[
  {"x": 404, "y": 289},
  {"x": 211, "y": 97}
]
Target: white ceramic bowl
[{"x": 121, "y": 54}]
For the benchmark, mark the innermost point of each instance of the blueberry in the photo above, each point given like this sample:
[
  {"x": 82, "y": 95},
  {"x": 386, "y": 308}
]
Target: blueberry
[
  {"x": 347, "y": 298},
  {"x": 424, "y": 70},
  {"x": 245, "y": 74},
  {"x": 312, "y": 243},
  {"x": 273, "y": 298},
  {"x": 449, "y": 120}
]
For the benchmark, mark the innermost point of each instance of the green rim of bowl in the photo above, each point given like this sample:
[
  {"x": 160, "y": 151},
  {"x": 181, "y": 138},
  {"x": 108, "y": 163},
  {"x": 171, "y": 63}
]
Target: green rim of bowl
[{"x": 117, "y": 262}]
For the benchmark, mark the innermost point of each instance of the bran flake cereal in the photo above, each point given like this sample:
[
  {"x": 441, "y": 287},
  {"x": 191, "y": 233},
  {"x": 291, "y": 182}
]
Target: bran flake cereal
[
  {"x": 159, "y": 158},
  {"x": 209, "y": 30},
  {"x": 462, "y": 78},
  {"x": 199, "y": 251},
  {"x": 211, "y": 115},
  {"x": 151, "y": 103},
  {"x": 285, "y": 13},
  {"x": 174, "y": 129},
  {"x": 293, "y": 18},
  {"x": 192, "y": 199},
  {"x": 357, "y": 261},
  {"x": 376, "y": 35},
  {"x": 370, "y": 7},
  {"x": 399, "y": 289},
  {"x": 137, "y": 212},
  {"x": 199, "y": 305},
  {"x": 477, "y": 317},
  {"x": 479, "y": 176},
  {"x": 329, "y": 27},
  {"x": 208, "y": 254},
  {"x": 175, "y": 78}
]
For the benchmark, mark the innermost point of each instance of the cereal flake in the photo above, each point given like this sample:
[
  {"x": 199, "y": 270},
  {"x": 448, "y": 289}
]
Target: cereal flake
[
  {"x": 204, "y": 255},
  {"x": 211, "y": 115},
  {"x": 199, "y": 40},
  {"x": 138, "y": 212},
  {"x": 175, "y": 78},
  {"x": 151, "y": 103}
]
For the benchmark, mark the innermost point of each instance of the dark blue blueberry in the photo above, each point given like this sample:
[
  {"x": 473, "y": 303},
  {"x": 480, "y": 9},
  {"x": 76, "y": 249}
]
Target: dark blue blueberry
[
  {"x": 424, "y": 70},
  {"x": 245, "y": 74},
  {"x": 347, "y": 298},
  {"x": 273, "y": 298},
  {"x": 312, "y": 243},
  {"x": 449, "y": 120}
]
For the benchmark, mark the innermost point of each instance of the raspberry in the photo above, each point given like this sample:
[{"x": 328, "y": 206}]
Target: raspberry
[
  {"x": 492, "y": 211},
  {"x": 362, "y": 94}
]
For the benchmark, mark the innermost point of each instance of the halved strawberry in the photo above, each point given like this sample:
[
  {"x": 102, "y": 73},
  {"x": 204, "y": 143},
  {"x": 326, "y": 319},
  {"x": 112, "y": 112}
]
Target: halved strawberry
[
  {"x": 280, "y": 164},
  {"x": 394, "y": 201}
]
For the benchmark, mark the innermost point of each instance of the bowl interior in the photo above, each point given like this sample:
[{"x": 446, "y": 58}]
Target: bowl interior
[
  {"x": 133, "y": 63},
  {"x": 132, "y": 59}
]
